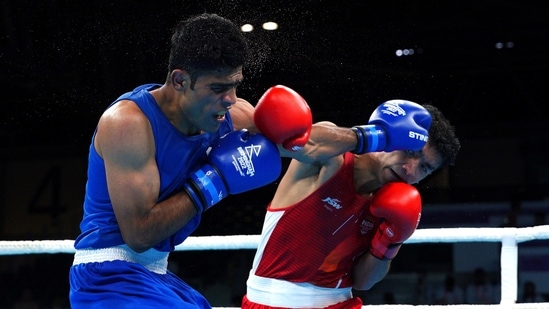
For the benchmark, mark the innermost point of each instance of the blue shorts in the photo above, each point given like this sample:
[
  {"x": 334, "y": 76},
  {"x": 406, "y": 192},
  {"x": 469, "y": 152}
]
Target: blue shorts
[{"x": 120, "y": 284}]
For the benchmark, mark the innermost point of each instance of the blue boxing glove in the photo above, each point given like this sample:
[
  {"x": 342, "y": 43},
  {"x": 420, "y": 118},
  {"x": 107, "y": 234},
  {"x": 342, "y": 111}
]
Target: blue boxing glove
[
  {"x": 394, "y": 125},
  {"x": 238, "y": 162}
]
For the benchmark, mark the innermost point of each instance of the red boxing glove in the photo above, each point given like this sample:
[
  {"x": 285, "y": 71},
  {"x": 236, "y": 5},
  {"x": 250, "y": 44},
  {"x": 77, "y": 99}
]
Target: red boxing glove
[
  {"x": 399, "y": 206},
  {"x": 284, "y": 117}
]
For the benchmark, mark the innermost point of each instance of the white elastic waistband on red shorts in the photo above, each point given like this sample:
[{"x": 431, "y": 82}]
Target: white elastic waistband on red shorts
[
  {"x": 281, "y": 293},
  {"x": 152, "y": 259}
]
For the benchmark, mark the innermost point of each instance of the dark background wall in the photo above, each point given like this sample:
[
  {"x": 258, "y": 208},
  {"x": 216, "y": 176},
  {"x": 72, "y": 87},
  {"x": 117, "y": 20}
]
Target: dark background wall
[{"x": 63, "y": 62}]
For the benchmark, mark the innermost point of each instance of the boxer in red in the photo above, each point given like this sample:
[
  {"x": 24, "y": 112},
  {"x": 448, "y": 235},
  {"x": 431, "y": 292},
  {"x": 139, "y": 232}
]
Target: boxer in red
[{"x": 345, "y": 205}]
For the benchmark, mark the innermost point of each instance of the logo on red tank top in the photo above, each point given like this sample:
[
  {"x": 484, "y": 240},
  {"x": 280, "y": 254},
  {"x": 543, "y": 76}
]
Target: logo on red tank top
[
  {"x": 333, "y": 202},
  {"x": 366, "y": 226}
]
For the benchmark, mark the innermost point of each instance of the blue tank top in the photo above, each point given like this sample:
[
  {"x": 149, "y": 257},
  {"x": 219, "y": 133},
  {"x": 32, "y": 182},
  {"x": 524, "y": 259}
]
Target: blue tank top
[{"x": 177, "y": 156}]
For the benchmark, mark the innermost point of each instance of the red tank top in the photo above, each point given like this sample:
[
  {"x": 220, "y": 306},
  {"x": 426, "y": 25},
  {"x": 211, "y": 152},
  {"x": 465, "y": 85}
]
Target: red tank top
[{"x": 317, "y": 239}]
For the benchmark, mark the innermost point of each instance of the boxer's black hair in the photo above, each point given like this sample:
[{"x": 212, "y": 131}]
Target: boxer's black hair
[
  {"x": 206, "y": 43},
  {"x": 442, "y": 136}
]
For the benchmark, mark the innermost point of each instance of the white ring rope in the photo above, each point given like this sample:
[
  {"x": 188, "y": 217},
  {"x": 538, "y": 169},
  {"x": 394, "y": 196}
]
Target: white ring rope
[
  {"x": 237, "y": 242},
  {"x": 509, "y": 238}
]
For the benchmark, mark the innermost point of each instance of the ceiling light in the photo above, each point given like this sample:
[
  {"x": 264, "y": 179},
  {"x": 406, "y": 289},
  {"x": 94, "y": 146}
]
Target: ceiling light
[
  {"x": 270, "y": 25},
  {"x": 247, "y": 28}
]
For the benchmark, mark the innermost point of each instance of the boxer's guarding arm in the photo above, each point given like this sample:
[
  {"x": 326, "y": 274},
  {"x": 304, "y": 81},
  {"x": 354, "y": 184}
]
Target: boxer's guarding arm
[
  {"x": 394, "y": 125},
  {"x": 284, "y": 117},
  {"x": 238, "y": 162},
  {"x": 398, "y": 205}
]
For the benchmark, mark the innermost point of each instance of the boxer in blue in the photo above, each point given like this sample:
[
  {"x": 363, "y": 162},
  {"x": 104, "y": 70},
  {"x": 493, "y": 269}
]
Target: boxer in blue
[{"x": 160, "y": 156}]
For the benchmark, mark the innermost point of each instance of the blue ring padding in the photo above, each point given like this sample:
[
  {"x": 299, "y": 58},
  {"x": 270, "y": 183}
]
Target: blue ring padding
[{"x": 373, "y": 139}]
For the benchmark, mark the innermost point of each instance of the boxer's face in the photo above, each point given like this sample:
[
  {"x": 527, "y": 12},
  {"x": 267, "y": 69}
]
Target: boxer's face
[
  {"x": 409, "y": 166},
  {"x": 211, "y": 98}
]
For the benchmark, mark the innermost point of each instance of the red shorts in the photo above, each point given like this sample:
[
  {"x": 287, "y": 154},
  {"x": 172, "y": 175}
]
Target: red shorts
[{"x": 353, "y": 303}]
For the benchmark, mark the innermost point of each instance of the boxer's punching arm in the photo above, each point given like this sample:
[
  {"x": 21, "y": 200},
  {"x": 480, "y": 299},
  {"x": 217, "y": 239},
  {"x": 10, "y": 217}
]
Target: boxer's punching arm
[
  {"x": 326, "y": 141},
  {"x": 394, "y": 125},
  {"x": 285, "y": 118},
  {"x": 242, "y": 114}
]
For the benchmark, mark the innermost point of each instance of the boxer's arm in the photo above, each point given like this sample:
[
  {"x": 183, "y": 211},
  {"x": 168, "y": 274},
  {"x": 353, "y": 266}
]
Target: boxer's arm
[
  {"x": 404, "y": 128},
  {"x": 398, "y": 205},
  {"x": 242, "y": 114},
  {"x": 125, "y": 141},
  {"x": 325, "y": 142},
  {"x": 368, "y": 270}
]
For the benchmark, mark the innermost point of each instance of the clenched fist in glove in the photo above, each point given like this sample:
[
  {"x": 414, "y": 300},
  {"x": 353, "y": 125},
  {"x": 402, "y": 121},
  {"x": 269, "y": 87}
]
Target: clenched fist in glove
[
  {"x": 394, "y": 125},
  {"x": 284, "y": 117},
  {"x": 238, "y": 162},
  {"x": 398, "y": 205}
]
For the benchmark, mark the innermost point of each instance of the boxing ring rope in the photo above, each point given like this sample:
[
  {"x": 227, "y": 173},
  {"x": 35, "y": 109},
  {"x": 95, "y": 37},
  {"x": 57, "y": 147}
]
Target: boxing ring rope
[{"x": 508, "y": 237}]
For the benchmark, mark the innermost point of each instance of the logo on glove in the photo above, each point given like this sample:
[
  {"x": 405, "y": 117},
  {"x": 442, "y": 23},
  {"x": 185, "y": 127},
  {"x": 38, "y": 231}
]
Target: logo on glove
[
  {"x": 390, "y": 233},
  {"x": 393, "y": 108},
  {"x": 244, "y": 161},
  {"x": 419, "y": 136}
]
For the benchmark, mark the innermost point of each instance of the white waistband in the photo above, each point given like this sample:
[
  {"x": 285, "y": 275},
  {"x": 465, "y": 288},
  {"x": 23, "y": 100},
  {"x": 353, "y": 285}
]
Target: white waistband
[
  {"x": 152, "y": 259},
  {"x": 280, "y": 293}
]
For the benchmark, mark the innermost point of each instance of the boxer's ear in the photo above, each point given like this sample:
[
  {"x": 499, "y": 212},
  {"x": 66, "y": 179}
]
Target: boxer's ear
[{"x": 180, "y": 79}]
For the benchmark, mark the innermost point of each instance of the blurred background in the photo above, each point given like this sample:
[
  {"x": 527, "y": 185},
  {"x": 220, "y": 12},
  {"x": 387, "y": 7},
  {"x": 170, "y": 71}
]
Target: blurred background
[{"x": 483, "y": 63}]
